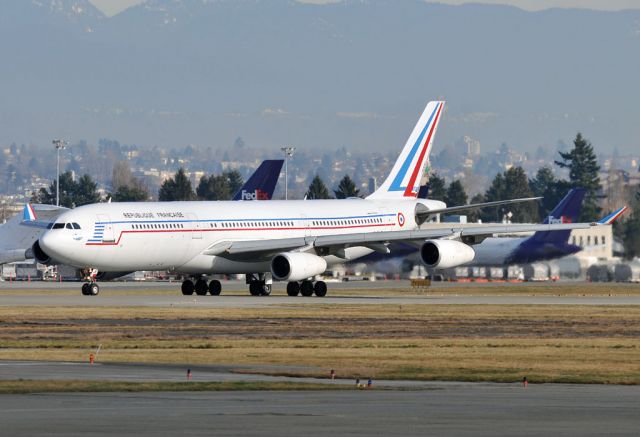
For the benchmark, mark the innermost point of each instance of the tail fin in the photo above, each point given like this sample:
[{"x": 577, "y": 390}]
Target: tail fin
[
  {"x": 612, "y": 217},
  {"x": 567, "y": 211},
  {"x": 404, "y": 179},
  {"x": 28, "y": 213},
  {"x": 262, "y": 183}
]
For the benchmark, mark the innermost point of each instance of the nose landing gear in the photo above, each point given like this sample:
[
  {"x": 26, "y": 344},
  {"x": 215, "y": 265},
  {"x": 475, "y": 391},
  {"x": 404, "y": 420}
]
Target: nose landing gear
[{"x": 90, "y": 288}]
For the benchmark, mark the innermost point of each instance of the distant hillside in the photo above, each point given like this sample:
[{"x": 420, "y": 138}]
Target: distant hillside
[{"x": 355, "y": 73}]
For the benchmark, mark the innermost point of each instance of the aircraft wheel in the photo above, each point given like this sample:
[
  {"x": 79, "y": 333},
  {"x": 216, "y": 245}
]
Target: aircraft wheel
[
  {"x": 265, "y": 289},
  {"x": 215, "y": 287},
  {"x": 254, "y": 288},
  {"x": 293, "y": 288},
  {"x": 306, "y": 288},
  {"x": 320, "y": 289},
  {"x": 187, "y": 287},
  {"x": 85, "y": 289},
  {"x": 201, "y": 287},
  {"x": 93, "y": 289}
]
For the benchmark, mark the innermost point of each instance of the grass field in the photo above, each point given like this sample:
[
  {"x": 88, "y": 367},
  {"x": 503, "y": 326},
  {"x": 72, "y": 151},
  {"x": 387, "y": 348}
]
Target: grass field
[
  {"x": 49, "y": 386},
  {"x": 546, "y": 343}
]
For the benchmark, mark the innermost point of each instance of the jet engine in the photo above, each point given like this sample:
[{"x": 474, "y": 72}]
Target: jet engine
[
  {"x": 444, "y": 254},
  {"x": 296, "y": 266},
  {"x": 39, "y": 254}
]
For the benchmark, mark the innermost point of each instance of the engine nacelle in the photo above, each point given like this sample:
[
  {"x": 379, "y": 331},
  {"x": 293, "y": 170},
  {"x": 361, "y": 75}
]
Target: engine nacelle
[
  {"x": 296, "y": 266},
  {"x": 444, "y": 254},
  {"x": 39, "y": 254}
]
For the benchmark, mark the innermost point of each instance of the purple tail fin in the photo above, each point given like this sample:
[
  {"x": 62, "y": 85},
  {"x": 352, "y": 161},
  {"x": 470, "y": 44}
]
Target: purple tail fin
[{"x": 262, "y": 183}]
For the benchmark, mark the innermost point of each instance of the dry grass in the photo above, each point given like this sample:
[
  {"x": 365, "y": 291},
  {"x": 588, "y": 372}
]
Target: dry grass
[
  {"x": 564, "y": 343},
  {"x": 51, "y": 386}
]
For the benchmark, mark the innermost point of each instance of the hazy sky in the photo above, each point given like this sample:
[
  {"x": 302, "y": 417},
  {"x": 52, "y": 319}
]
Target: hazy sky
[{"x": 111, "y": 7}]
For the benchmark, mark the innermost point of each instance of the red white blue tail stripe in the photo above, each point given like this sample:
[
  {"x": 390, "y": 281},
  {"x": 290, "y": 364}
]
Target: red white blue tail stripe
[
  {"x": 613, "y": 216},
  {"x": 28, "y": 213},
  {"x": 404, "y": 179}
]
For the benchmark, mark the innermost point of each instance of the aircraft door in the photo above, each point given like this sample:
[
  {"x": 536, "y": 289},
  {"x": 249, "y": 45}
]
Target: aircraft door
[
  {"x": 194, "y": 224},
  {"x": 104, "y": 229}
]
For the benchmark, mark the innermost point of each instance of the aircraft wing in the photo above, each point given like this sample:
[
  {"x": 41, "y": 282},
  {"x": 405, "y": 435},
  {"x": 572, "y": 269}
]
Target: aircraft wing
[{"x": 328, "y": 244}]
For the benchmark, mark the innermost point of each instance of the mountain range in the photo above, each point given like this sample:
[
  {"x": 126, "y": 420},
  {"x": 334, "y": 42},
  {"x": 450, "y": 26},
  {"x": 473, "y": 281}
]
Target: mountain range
[{"x": 355, "y": 73}]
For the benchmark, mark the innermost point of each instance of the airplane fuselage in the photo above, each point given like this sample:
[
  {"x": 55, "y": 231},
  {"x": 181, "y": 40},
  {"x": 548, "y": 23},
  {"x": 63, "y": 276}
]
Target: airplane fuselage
[{"x": 174, "y": 235}]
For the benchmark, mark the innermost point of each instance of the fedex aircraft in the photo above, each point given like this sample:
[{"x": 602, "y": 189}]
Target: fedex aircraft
[
  {"x": 290, "y": 240},
  {"x": 498, "y": 251}
]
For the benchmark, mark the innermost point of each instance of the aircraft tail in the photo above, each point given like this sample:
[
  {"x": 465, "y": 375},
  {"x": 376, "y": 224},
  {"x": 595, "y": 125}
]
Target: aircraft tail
[
  {"x": 405, "y": 176},
  {"x": 613, "y": 216},
  {"x": 567, "y": 211},
  {"x": 28, "y": 213},
  {"x": 262, "y": 183}
]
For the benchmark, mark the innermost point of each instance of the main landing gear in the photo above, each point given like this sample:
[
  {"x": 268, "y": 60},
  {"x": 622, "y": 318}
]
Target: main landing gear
[
  {"x": 259, "y": 284},
  {"x": 307, "y": 288},
  {"x": 90, "y": 288},
  {"x": 201, "y": 288}
]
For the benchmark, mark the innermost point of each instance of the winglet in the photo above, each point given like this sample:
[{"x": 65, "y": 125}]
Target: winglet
[
  {"x": 28, "y": 213},
  {"x": 613, "y": 216}
]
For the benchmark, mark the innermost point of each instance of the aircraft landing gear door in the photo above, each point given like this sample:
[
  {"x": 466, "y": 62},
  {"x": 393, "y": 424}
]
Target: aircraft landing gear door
[
  {"x": 194, "y": 225},
  {"x": 104, "y": 229}
]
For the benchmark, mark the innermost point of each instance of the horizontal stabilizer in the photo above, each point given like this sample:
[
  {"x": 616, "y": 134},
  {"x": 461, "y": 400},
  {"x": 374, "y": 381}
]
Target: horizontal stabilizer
[{"x": 424, "y": 213}]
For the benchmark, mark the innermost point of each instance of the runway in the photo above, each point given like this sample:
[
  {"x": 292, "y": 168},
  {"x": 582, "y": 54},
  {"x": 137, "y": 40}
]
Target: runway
[
  {"x": 442, "y": 409},
  {"x": 165, "y": 294}
]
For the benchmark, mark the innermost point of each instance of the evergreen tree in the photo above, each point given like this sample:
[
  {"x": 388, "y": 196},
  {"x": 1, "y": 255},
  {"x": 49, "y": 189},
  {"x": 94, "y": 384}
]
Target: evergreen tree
[
  {"x": 551, "y": 190},
  {"x": 629, "y": 230},
  {"x": 176, "y": 188},
  {"x": 235, "y": 181},
  {"x": 72, "y": 193},
  {"x": 128, "y": 193},
  {"x": 125, "y": 186},
  {"x": 214, "y": 188},
  {"x": 455, "y": 195},
  {"x": 583, "y": 172},
  {"x": 346, "y": 188},
  {"x": 437, "y": 190},
  {"x": 474, "y": 215},
  {"x": 511, "y": 184},
  {"x": 317, "y": 189},
  {"x": 85, "y": 191}
]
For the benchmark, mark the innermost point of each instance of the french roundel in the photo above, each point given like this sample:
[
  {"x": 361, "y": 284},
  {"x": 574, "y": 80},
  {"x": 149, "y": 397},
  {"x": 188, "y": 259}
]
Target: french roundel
[{"x": 401, "y": 219}]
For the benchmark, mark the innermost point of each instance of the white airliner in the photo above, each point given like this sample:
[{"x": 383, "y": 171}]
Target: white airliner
[{"x": 292, "y": 240}]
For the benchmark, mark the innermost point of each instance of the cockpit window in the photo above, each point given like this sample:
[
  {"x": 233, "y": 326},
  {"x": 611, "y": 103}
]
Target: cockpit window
[
  {"x": 76, "y": 226},
  {"x": 50, "y": 225},
  {"x": 58, "y": 226},
  {"x": 69, "y": 226}
]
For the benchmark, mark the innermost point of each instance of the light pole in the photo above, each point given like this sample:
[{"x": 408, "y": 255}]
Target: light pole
[
  {"x": 59, "y": 145},
  {"x": 288, "y": 153}
]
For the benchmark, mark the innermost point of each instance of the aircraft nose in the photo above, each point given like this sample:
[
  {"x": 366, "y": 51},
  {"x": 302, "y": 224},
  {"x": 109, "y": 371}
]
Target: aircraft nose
[{"x": 50, "y": 244}]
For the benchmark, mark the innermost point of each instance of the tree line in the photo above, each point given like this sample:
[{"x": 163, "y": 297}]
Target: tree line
[
  {"x": 581, "y": 163},
  {"x": 513, "y": 183}
]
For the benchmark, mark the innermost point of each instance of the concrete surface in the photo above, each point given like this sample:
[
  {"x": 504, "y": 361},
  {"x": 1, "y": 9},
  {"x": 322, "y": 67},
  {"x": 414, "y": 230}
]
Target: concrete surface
[{"x": 455, "y": 409}]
